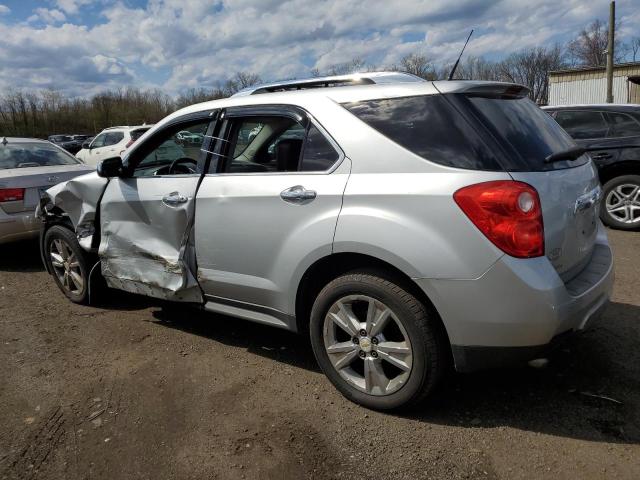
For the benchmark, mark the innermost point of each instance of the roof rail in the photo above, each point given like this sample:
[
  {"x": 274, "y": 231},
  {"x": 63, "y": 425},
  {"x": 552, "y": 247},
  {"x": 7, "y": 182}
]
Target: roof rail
[{"x": 367, "y": 78}]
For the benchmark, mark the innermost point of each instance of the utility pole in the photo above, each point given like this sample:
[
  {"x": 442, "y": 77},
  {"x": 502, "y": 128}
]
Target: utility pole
[{"x": 610, "y": 52}]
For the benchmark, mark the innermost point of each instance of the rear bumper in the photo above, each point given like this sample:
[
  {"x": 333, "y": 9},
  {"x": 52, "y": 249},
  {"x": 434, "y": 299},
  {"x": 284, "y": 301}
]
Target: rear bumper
[
  {"x": 18, "y": 226},
  {"x": 514, "y": 311}
]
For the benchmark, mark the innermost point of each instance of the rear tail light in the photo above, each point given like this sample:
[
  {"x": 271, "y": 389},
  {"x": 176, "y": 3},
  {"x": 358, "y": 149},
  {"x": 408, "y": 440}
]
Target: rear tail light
[
  {"x": 508, "y": 213},
  {"x": 11, "y": 194},
  {"x": 129, "y": 143}
]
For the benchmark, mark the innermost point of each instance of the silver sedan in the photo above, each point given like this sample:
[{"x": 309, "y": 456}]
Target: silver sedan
[{"x": 28, "y": 167}]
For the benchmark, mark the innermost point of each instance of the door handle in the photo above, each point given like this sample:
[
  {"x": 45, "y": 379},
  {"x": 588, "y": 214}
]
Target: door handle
[
  {"x": 298, "y": 195},
  {"x": 601, "y": 156},
  {"x": 173, "y": 199}
]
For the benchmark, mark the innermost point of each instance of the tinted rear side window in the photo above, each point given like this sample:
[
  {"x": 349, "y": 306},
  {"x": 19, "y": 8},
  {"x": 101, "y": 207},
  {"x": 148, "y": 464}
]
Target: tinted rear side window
[
  {"x": 429, "y": 126},
  {"x": 623, "y": 125},
  {"x": 527, "y": 134},
  {"x": 318, "y": 154},
  {"x": 583, "y": 124}
]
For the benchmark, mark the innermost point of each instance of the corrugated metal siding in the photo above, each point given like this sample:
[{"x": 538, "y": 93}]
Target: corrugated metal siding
[{"x": 588, "y": 91}]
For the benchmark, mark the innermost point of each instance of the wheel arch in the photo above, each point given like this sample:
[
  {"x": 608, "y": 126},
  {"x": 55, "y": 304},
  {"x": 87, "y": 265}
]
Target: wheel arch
[
  {"x": 331, "y": 266},
  {"x": 53, "y": 216},
  {"x": 627, "y": 167}
]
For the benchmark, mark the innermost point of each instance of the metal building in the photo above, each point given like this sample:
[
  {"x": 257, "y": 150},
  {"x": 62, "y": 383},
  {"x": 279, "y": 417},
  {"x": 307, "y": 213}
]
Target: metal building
[{"x": 586, "y": 85}]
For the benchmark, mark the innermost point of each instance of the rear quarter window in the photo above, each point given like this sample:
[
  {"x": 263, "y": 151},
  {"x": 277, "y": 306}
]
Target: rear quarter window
[
  {"x": 429, "y": 126},
  {"x": 526, "y": 134}
]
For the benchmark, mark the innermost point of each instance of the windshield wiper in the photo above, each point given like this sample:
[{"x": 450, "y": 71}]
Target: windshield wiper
[
  {"x": 575, "y": 152},
  {"x": 568, "y": 154}
]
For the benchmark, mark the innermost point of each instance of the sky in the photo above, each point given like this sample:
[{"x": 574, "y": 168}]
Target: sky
[{"x": 80, "y": 47}]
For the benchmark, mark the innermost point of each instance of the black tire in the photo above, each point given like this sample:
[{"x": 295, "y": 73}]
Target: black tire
[
  {"x": 84, "y": 263},
  {"x": 610, "y": 219},
  {"x": 420, "y": 322}
]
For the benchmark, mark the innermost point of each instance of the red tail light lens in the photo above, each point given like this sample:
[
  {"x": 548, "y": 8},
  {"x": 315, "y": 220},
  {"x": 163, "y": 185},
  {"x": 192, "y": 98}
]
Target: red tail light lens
[
  {"x": 129, "y": 143},
  {"x": 11, "y": 194},
  {"x": 508, "y": 213}
]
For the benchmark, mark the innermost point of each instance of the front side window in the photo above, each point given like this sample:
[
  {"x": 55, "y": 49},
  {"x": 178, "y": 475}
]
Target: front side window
[
  {"x": 623, "y": 125},
  {"x": 276, "y": 144},
  {"x": 99, "y": 141},
  {"x": 583, "y": 124},
  {"x": 175, "y": 151}
]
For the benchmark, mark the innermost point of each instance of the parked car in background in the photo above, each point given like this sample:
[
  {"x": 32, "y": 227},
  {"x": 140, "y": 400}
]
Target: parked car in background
[
  {"x": 111, "y": 142},
  {"x": 184, "y": 137},
  {"x": 403, "y": 226},
  {"x": 28, "y": 167},
  {"x": 616, "y": 129},
  {"x": 82, "y": 138},
  {"x": 68, "y": 142}
]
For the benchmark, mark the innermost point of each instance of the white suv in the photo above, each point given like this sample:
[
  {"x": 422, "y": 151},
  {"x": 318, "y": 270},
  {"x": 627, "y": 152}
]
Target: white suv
[{"x": 111, "y": 142}]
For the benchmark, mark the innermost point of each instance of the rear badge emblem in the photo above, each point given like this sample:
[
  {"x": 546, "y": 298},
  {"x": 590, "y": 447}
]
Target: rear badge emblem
[{"x": 52, "y": 178}]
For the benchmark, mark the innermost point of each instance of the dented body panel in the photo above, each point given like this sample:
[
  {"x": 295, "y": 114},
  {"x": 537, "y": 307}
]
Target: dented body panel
[
  {"x": 144, "y": 240},
  {"x": 79, "y": 199}
]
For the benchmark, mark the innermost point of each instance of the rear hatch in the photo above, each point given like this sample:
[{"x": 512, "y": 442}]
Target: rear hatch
[
  {"x": 523, "y": 137},
  {"x": 28, "y": 184}
]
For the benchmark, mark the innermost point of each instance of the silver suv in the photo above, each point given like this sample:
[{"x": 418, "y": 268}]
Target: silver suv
[{"x": 403, "y": 226}]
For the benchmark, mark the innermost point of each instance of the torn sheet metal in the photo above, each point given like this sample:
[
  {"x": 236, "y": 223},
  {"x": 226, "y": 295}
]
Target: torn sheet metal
[
  {"x": 145, "y": 244},
  {"x": 79, "y": 198}
]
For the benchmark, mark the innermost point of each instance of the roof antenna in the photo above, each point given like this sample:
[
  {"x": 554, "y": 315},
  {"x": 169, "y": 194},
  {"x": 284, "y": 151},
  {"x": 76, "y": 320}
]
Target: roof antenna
[
  {"x": 4, "y": 141},
  {"x": 453, "y": 70}
]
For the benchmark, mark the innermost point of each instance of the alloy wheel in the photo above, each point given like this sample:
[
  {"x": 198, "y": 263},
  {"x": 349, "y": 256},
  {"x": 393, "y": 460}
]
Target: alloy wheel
[
  {"x": 66, "y": 266},
  {"x": 367, "y": 345},
  {"x": 623, "y": 203}
]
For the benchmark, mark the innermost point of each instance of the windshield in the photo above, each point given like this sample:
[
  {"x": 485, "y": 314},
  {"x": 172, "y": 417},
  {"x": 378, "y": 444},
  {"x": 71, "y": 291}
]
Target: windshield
[
  {"x": 61, "y": 138},
  {"x": 22, "y": 155},
  {"x": 527, "y": 133}
]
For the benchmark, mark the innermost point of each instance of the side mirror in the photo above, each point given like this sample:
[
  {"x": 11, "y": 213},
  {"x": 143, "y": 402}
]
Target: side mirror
[
  {"x": 86, "y": 144},
  {"x": 110, "y": 167}
]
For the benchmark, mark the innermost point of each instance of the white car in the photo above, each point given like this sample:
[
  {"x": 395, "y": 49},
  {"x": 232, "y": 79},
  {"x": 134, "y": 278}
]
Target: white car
[{"x": 109, "y": 143}]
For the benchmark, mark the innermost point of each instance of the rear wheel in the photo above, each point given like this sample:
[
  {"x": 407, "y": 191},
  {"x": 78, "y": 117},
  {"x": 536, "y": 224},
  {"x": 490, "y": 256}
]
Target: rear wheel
[
  {"x": 69, "y": 263},
  {"x": 621, "y": 202},
  {"x": 376, "y": 342}
]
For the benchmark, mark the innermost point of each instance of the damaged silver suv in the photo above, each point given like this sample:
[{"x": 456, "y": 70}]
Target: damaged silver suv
[{"x": 403, "y": 226}]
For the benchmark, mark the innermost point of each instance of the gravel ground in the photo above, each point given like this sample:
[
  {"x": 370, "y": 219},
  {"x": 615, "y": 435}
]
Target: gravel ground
[{"x": 132, "y": 390}]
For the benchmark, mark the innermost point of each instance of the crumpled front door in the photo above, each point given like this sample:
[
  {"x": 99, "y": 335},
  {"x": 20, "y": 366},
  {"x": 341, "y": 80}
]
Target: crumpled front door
[{"x": 145, "y": 244}]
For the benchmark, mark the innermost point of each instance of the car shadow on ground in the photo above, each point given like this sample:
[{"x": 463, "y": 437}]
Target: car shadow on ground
[
  {"x": 21, "y": 256},
  {"x": 589, "y": 390},
  {"x": 277, "y": 344}
]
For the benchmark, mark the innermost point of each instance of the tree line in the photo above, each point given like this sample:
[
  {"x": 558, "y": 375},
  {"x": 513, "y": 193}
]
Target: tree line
[{"x": 46, "y": 112}]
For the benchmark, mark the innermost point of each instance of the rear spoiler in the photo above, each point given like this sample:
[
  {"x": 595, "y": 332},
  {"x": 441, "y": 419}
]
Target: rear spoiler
[{"x": 483, "y": 89}]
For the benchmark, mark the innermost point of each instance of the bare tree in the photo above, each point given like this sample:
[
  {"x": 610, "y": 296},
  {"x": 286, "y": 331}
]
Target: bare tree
[
  {"x": 531, "y": 68},
  {"x": 47, "y": 112},
  {"x": 634, "y": 47},
  {"x": 419, "y": 65},
  {"x": 473, "y": 68},
  {"x": 590, "y": 46}
]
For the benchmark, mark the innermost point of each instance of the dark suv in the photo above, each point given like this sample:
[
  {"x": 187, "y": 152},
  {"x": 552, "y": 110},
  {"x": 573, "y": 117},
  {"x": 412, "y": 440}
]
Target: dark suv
[{"x": 615, "y": 128}]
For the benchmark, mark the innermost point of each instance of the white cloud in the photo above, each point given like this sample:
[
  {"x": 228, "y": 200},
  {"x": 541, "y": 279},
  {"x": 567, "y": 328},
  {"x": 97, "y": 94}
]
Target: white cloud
[
  {"x": 47, "y": 15},
  {"x": 4, "y": 10},
  {"x": 72, "y": 6},
  {"x": 199, "y": 42}
]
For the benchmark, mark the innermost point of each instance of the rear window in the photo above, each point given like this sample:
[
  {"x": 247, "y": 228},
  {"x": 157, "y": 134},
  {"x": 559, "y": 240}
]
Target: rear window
[
  {"x": 23, "y": 155},
  {"x": 525, "y": 132},
  {"x": 136, "y": 134},
  {"x": 429, "y": 126}
]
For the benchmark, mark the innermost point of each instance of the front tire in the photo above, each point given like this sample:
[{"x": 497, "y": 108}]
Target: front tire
[
  {"x": 69, "y": 263},
  {"x": 376, "y": 342},
  {"x": 621, "y": 203}
]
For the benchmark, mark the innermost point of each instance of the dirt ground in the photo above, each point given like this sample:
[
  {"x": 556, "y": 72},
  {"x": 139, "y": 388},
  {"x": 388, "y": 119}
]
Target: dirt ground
[{"x": 132, "y": 390}]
